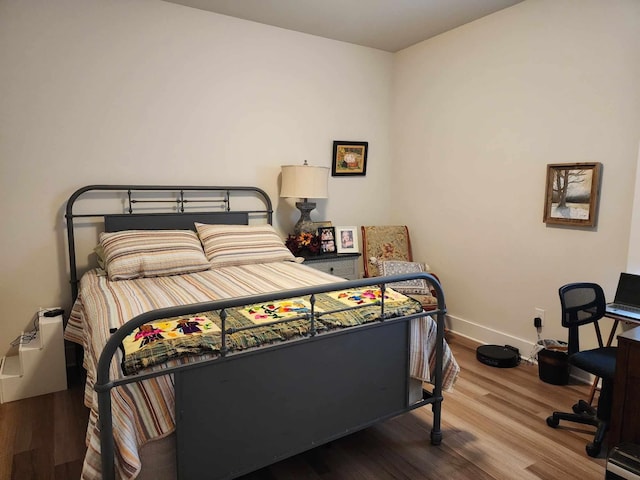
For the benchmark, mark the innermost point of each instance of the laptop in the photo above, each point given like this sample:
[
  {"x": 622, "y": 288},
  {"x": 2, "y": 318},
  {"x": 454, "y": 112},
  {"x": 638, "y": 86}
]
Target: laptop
[{"x": 627, "y": 300}]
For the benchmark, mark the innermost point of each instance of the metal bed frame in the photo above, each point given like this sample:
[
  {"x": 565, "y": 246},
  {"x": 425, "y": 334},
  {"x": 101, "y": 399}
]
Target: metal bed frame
[{"x": 301, "y": 394}]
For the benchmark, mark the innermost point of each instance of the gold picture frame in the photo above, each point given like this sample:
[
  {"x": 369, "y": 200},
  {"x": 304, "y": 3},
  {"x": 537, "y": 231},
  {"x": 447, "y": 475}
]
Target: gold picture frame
[
  {"x": 322, "y": 223},
  {"x": 572, "y": 194}
]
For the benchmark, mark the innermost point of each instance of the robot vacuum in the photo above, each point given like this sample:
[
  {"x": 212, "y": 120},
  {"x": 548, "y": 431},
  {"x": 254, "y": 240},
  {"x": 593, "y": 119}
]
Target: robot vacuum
[{"x": 498, "y": 356}]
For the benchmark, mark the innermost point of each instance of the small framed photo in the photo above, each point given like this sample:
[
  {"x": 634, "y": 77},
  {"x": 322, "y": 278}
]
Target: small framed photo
[
  {"x": 349, "y": 158},
  {"x": 572, "y": 192},
  {"x": 347, "y": 239},
  {"x": 327, "y": 236},
  {"x": 322, "y": 223}
]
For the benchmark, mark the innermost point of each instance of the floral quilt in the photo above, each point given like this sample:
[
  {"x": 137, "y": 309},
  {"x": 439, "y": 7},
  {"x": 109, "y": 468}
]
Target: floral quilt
[{"x": 159, "y": 341}]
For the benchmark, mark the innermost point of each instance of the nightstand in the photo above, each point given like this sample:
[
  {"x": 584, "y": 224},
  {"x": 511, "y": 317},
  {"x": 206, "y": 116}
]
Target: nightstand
[{"x": 343, "y": 265}]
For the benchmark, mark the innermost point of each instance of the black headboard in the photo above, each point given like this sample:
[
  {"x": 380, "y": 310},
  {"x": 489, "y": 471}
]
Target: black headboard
[
  {"x": 171, "y": 221},
  {"x": 163, "y": 207}
]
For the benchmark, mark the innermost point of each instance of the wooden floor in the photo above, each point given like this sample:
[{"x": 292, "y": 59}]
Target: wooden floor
[{"x": 493, "y": 428}]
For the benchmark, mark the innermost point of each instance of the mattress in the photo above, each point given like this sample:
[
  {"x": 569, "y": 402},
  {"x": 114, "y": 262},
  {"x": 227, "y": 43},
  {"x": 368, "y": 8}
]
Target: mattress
[{"x": 144, "y": 411}]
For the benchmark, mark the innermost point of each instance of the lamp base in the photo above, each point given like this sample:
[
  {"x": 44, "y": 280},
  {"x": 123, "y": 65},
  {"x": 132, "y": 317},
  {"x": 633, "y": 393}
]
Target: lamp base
[{"x": 304, "y": 225}]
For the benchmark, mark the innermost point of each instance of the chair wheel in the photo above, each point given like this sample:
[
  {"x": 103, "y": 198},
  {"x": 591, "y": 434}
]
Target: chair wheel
[
  {"x": 552, "y": 421},
  {"x": 583, "y": 407},
  {"x": 593, "y": 449}
]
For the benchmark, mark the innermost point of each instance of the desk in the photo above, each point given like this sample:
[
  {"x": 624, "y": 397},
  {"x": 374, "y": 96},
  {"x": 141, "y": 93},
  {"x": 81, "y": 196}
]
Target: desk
[
  {"x": 617, "y": 319},
  {"x": 625, "y": 414}
]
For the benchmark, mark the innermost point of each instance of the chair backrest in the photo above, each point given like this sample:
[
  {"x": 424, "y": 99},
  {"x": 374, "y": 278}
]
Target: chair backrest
[
  {"x": 385, "y": 242},
  {"x": 582, "y": 303}
]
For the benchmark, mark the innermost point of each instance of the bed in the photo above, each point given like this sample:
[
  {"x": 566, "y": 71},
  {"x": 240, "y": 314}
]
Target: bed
[{"x": 239, "y": 360}]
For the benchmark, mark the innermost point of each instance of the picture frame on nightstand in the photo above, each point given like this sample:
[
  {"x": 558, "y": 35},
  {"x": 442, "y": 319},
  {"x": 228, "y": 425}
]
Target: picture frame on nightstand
[
  {"x": 322, "y": 223},
  {"x": 347, "y": 240},
  {"x": 327, "y": 236}
]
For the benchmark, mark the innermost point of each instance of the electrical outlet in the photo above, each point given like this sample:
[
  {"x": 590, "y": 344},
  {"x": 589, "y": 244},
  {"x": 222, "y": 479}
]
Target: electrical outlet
[{"x": 539, "y": 312}]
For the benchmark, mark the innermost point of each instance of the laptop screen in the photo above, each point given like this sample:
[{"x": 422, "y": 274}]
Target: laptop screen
[{"x": 628, "y": 291}]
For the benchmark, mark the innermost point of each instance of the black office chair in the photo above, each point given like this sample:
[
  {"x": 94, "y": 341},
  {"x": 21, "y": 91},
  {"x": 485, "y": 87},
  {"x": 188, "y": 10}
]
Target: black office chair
[{"x": 584, "y": 303}]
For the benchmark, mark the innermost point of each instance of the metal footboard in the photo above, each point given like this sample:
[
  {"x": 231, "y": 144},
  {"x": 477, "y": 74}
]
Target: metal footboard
[{"x": 104, "y": 384}]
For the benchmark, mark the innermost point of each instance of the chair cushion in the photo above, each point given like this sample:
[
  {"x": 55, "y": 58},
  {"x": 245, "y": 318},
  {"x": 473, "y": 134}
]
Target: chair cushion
[
  {"x": 600, "y": 362},
  {"x": 417, "y": 286}
]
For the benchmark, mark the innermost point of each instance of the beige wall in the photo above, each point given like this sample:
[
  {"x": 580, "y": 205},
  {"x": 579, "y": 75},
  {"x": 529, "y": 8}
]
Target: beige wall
[
  {"x": 478, "y": 113},
  {"x": 96, "y": 91},
  {"x": 633, "y": 257},
  {"x": 150, "y": 92}
]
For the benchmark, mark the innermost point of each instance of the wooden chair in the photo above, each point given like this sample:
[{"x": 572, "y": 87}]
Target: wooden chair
[{"x": 387, "y": 251}]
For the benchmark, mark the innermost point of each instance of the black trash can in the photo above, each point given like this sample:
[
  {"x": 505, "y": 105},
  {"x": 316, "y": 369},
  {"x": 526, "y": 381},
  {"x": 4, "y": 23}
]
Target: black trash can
[{"x": 553, "y": 362}]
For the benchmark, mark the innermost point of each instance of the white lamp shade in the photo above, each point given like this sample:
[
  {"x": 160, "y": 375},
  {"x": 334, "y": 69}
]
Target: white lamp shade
[{"x": 304, "y": 181}]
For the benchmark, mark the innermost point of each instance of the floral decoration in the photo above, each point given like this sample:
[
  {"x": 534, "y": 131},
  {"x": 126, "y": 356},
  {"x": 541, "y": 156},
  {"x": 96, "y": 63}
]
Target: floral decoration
[{"x": 303, "y": 244}]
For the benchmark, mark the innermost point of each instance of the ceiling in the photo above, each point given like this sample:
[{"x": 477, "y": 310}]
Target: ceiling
[{"x": 389, "y": 25}]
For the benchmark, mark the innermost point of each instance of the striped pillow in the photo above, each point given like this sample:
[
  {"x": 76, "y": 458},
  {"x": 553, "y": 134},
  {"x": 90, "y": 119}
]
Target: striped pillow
[
  {"x": 227, "y": 245},
  {"x": 152, "y": 253}
]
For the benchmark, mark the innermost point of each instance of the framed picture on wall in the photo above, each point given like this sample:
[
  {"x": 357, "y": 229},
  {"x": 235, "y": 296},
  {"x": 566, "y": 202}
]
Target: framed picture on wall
[
  {"x": 347, "y": 240},
  {"x": 349, "y": 158},
  {"x": 572, "y": 194}
]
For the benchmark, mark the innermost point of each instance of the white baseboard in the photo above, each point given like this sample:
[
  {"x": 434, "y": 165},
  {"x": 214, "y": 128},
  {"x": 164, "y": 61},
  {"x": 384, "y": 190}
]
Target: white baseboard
[{"x": 489, "y": 336}]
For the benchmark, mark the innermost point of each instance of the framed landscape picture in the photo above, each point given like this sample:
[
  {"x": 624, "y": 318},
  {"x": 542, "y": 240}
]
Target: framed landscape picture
[
  {"x": 572, "y": 192},
  {"x": 349, "y": 158}
]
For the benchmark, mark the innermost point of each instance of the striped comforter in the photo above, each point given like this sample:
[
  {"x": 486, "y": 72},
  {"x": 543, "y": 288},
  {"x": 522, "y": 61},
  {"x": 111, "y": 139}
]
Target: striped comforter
[{"x": 144, "y": 411}]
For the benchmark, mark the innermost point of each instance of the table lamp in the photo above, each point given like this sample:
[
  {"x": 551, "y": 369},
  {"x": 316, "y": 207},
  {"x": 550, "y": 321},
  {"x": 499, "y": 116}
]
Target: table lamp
[{"x": 304, "y": 181}]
